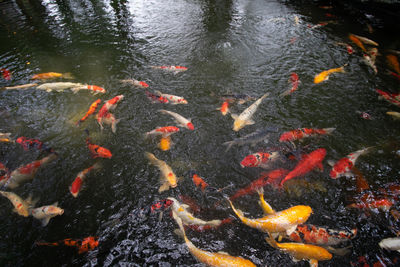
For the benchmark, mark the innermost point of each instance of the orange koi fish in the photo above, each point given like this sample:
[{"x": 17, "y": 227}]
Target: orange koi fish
[
  {"x": 165, "y": 143},
  {"x": 163, "y": 131},
  {"x": 199, "y": 182},
  {"x": 357, "y": 41},
  {"x": 174, "y": 69},
  {"x": 365, "y": 40},
  {"x": 294, "y": 80},
  {"x": 303, "y": 133},
  {"x": 300, "y": 251},
  {"x": 306, "y": 164},
  {"x": 52, "y": 75},
  {"x": 83, "y": 245},
  {"x": 323, "y": 76},
  {"x": 92, "y": 110},
  {"x": 110, "y": 104},
  {"x": 75, "y": 188},
  {"x": 224, "y": 108},
  {"x": 343, "y": 166},
  {"x": 98, "y": 151},
  {"x": 6, "y": 74},
  {"x": 361, "y": 182},
  {"x": 212, "y": 258},
  {"x": 28, "y": 143},
  {"x": 393, "y": 63}
]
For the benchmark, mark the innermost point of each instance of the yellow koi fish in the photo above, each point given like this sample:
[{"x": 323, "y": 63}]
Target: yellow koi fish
[
  {"x": 167, "y": 176},
  {"x": 22, "y": 207},
  {"x": 264, "y": 205},
  {"x": 212, "y": 258},
  {"x": 323, "y": 76},
  {"x": 52, "y": 75},
  {"x": 245, "y": 117}
]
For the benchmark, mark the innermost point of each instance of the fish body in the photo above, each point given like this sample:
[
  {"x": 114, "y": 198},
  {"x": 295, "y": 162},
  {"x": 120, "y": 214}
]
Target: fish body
[
  {"x": 174, "y": 69},
  {"x": 218, "y": 259},
  {"x": 165, "y": 143},
  {"x": 156, "y": 98},
  {"x": 344, "y": 165},
  {"x": 306, "y": 164},
  {"x": 5, "y": 137},
  {"x": 52, "y": 75},
  {"x": 45, "y": 213},
  {"x": 22, "y": 86},
  {"x": 187, "y": 218},
  {"x": 92, "y": 88},
  {"x": 167, "y": 176},
  {"x": 258, "y": 159},
  {"x": 294, "y": 80},
  {"x": 370, "y": 201},
  {"x": 391, "y": 98},
  {"x": 180, "y": 120},
  {"x": 301, "y": 133},
  {"x": 92, "y": 110},
  {"x": 98, "y": 151},
  {"x": 136, "y": 83},
  {"x": 163, "y": 131},
  {"x": 27, "y": 172},
  {"x": 28, "y": 143},
  {"x": 59, "y": 86},
  {"x": 76, "y": 185},
  {"x": 252, "y": 138},
  {"x": 394, "y": 114},
  {"x": 6, "y": 74},
  {"x": 84, "y": 245},
  {"x": 173, "y": 99},
  {"x": 311, "y": 234},
  {"x": 109, "y": 105},
  {"x": 393, "y": 62},
  {"x": 109, "y": 119},
  {"x": 365, "y": 40},
  {"x": 199, "y": 182},
  {"x": 278, "y": 222},
  {"x": 357, "y": 41},
  {"x": 240, "y": 98},
  {"x": 368, "y": 60},
  {"x": 392, "y": 243},
  {"x": 323, "y": 76},
  {"x": 224, "y": 108},
  {"x": 245, "y": 117},
  {"x": 22, "y": 207}
]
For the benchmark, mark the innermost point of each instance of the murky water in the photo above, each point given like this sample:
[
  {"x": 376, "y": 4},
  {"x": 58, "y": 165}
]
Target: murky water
[{"x": 229, "y": 47}]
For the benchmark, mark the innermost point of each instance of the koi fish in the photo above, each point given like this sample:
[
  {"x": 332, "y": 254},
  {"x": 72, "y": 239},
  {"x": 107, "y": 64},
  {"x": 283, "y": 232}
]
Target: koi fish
[
  {"x": 180, "y": 210},
  {"x": 252, "y": 138},
  {"x": 323, "y": 76},
  {"x": 278, "y": 222},
  {"x": 110, "y": 119},
  {"x": 167, "y": 176},
  {"x": 135, "y": 83},
  {"x": 349, "y": 48},
  {"x": 28, "y": 143},
  {"x": 306, "y": 164},
  {"x": 59, "y": 86},
  {"x": 344, "y": 165},
  {"x": 22, "y": 207},
  {"x": 240, "y": 98},
  {"x": 199, "y": 182},
  {"x": 75, "y": 188},
  {"x": 84, "y": 245},
  {"x": 371, "y": 201},
  {"x": 165, "y": 143},
  {"x": 173, "y": 99},
  {"x": 45, "y": 213},
  {"x": 22, "y": 86},
  {"x": 212, "y": 258},
  {"x": 301, "y": 133},
  {"x": 259, "y": 159},
  {"x": 300, "y": 251},
  {"x": 108, "y": 106},
  {"x": 202, "y": 228},
  {"x": 264, "y": 179},
  {"x": 326, "y": 7},
  {"x": 373, "y": 52},
  {"x": 311, "y": 234},
  {"x": 393, "y": 63},
  {"x": 162, "y": 204},
  {"x": 52, "y": 75},
  {"x": 92, "y": 110},
  {"x": 368, "y": 60},
  {"x": 163, "y": 131},
  {"x": 98, "y": 151},
  {"x": 26, "y": 172},
  {"x": 391, "y": 98},
  {"x": 245, "y": 117},
  {"x": 392, "y": 243},
  {"x": 294, "y": 80},
  {"x": 357, "y": 41},
  {"x": 224, "y": 108},
  {"x": 6, "y": 74},
  {"x": 366, "y": 40},
  {"x": 180, "y": 120},
  {"x": 5, "y": 137},
  {"x": 174, "y": 69},
  {"x": 395, "y": 115},
  {"x": 155, "y": 98},
  {"x": 93, "y": 88}
]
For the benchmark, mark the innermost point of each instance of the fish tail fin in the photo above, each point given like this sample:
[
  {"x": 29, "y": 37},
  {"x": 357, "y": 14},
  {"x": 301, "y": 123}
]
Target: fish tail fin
[
  {"x": 342, "y": 68},
  {"x": 271, "y": 241},
  {"x": 31, "y": 202},
  {"x": 260, "y": 191},
  {"x": 114, "y": 125},
  {"x": 214, "y": 223},
  {"x": 68, "y": 75},
  {"x": 286, "y": 93},
  {"x": 150, "y": 156},
  {"x": 97, "y": 166},
  {"x": 265, "y": 95},
  {"x": 329, "y": 130},
  {"x": 229, "y": 144}
]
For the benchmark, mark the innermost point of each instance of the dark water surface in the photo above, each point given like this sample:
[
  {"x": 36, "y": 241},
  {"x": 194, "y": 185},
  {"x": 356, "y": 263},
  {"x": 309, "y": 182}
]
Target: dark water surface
[{"x": 241, "y": 47}]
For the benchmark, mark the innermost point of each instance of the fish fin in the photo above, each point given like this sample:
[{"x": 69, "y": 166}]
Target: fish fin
[
  {"x": 240, "y": 212},
  {"x": 45, "y": 221},
  {"x": 114, "y": 126},
  {"x": 55, "y": 204},
  {"x": 163, "y": 187},
  {"x": 229, "y": 144},
  {"x": 249, "y": 122},
  {"x": 331, "y": 162},
  {"x": 185, "y": 206},
  {"x": 329, "y": 130},
  {"x": 271, "y": 241},
  {"x": 313, "y": 263},
  {"x": 290, "y": 230},
  {"x": 214, "y": 223},
  {"x": 75, "y": 90},
  {"x": 234, "y": 116},
  {"x": 260, "y": 191},
  {"x": 286, "y": 93},
  {"x": 15, "y": 210},
  {"x": 339, "y": 251},
  {"x": 160, "y": 217},
  {"x": 68, "y": 75}
]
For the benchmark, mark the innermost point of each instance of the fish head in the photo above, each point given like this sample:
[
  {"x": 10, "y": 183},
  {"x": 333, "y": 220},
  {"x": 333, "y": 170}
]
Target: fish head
[
  {"x": 249, "y": 161},
  {"x": 190, "y": 126},
  {"x": 104, "y": 152},
  {"x": 76, "y": 186},
  {"x": 54, "y": 210},
  {"x": 238, "y": 124}
]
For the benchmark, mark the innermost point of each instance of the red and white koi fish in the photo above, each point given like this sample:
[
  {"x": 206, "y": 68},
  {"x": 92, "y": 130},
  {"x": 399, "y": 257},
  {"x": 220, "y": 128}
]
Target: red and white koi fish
[
  {"x": 167, "y": 176},
  {"x": 371, "y": 201},
  {"x": 180, "y": 210},
  {"x": 301, "y": 133},
  {"x": 163, "y": 131},
  {"x": 110, "y": 104},
  {"x": 75, "y": 188},
  {"x": 26, "y": 172},
  {"x": 93, "y": 88},
  {"x": 28, "y": 143},
  {"x": 224, "y": 108},
  {"x": 174, "y": 69},
  {"x": 307, "y": 164},
  {"x": 22, "y": 86},
  {"x": 199, "y": 182},
  {"x": 135, "y": 83},
  {"x": 180, "y": 120},
  {"x": 259, "y": 159},
  {"x": 391, "y": 98},
  {"x": 6, "y": 74},
  {"x": 3, "y": 168},
  {"x": 110, "y": 119},
  {"x": 173, "y": 99},
  {"x": 92, "y": 110},
  {"x": 22, "y": 207},
  {"x": 83, "y": 245},
  {"x": 245, "y": 117},
  {"x": 98, "y": 151},
  {"x": 155, "y": 98},
  {"x": 311, "y": 234},
  {"x": 349, "y": 48},
  {"x": 344, "y": 165},
  {"x": 365, "y": 40},
  {"x": 45, "y": 213},
  {"x": 294, "y": 80}
]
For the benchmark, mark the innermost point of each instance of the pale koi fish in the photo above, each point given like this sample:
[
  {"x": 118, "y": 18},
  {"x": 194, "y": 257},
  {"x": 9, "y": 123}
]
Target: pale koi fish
[
  {"x": 22, "y": 207},
  {"x": 173, "y": 99},
  {"x": 167, "y": 176},
  {"x": 135, "y": 83},
  {"x": 174, "y": 69},
  {"x": 323, "y": 76},
  {"x": 392, "y": 243},
  {"x": 180, "y": 120},
  {"x": 22, "y": 86},
  {"x": 394, "y": 114},
  {"x": 349, "y": 48},
  {"x": 368, "y": 60},
  {"x": 58, "y": 86},
  {"x": 45, "y": 213}
]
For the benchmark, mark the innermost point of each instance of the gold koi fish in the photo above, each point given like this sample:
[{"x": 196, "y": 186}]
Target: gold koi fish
[
  {"x": 323, "y": 76},
  {"x": 167, "y": 176},
  {"x": 245, "y": 117}
]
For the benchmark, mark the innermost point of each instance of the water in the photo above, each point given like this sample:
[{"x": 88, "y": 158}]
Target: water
[{"x": 241, "y": 47}]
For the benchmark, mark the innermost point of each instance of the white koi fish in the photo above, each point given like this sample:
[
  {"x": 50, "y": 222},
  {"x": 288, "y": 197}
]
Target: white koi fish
[
  {"x": 135, "y": 83},
  {"x": 21, "y": 206},
  {"x": 45, "y": 213},
  {"x": 174, "y": 69},
  {"x": 390, "y": 243},
  {"x": 245, "y": 117},
  {"x": 58, "y": 86},
  {"x": 173, "y": 99},
  {"x": 180, "y": 120},
  {"x": 167, "y": 176}
]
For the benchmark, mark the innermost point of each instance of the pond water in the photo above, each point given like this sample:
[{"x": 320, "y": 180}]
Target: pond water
[{"x": 229, "y": 47}]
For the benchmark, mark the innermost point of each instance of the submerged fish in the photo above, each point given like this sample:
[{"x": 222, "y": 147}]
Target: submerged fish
[
  {"x": 167, "y": 176},
  {"x": 52, "y": 75},
  {"x": 75, "y": 188},
  {"x": 83, "y": 245},
  {"x": 365, "y": 40},
  {"x": 173, "y": 99},
  {"x": 245, "y": 117},
  {"x": 391, "y": 98},
  {"x": 180, "y": 120},
  {"x": 224, "y": 108},
  {"x": 357, "y": 41},
  {"x": 199, "y": 182},
  {"x": 301, "y": 133},
  {"x": 259, "y": 159},
  {"x": 163, "y": 131},
  {"x": 252, "y": 138},
  {"x": 45, "y": 213},
  {"x": 240, "y": 98},
  {"x": 393, "y": 63},
  {"x": 28, "y": 143},
  {"x": 343, "y": 166},
  {"x": 135, "y": 83},
  {"x": 294, "y": 80},
  {"x": 323, "y": 76},
  {"x": 59, "y": 86},
  {"x": 174, "y": 69},
  {"x": 22, "y": 207},
  {"x": 92, "y": 110}
]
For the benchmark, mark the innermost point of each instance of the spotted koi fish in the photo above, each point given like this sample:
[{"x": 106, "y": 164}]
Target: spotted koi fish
[
  {"x": 109, "y": 105},
  {"x": 92, "y": 110},
  {"x": 28, "y": 143},
  {"x": 369, "y": 201},
  {"x": 259, "y": 159},
  {"x": 167, "y": 176},
  {"x": 155, "y": 98},
  {"x": 344, "y": 165},
  {"x": 349, "y": 48},
  {"x": 162, "y": 204},
  {"x": 93, "y": 88},
  {"x": 391, "y": 98},
  {"x": 135, "y": 83},
  {"x": 5, "y": 137},
  {"x": 301, "y": 133},
  {"x": 180, "y": 120},
  {"x": 75, "y": 188},
  {"x": 84, "y": 245},
  {"x": 294, "y": 80},
  {"x": 164, "y": 131},
  {"x": 173, "y": 99}
]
